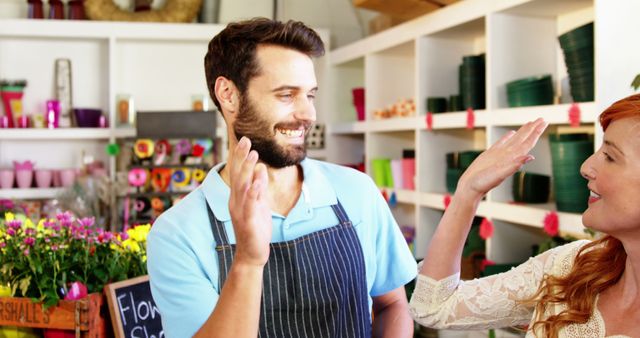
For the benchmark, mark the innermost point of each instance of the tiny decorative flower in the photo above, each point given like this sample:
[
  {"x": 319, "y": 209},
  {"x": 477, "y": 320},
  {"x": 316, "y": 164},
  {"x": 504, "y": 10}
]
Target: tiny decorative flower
[
  {"x": 486, "y": 229},
  {"x": 551, "y": 223},
  {"x": 30, "y": 241},
  {"x": 15, "y": 224},
  {"x": 26, "y": 252}
]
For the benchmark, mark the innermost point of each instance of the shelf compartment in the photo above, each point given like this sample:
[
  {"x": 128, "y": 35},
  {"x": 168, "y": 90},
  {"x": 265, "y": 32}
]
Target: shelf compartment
[
  {"x": 389, "y": 77},
  {"x": 432, "y": 149},
  {"x": 440, "y": 56},
  {"x": 512, "y": 243},
  {"x": 388, "y": 145},
  {"x": 33, "y": 59},
  {"x": 528, "y": 35},
  {"x": 428, "y": 220},
  {"x": 344, "y": 78}
]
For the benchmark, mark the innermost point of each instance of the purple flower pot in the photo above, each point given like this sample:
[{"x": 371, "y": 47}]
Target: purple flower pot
[{"x": 87, "y": 117}]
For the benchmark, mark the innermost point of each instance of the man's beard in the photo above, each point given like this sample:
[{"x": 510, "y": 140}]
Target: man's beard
[{"x": 249, "y": 123}]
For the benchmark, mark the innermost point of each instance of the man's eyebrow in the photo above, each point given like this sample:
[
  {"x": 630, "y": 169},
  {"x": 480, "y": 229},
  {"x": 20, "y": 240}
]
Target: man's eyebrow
[
  {"x": 286, "y": 87},
  {"x": 614, "y": 146}
]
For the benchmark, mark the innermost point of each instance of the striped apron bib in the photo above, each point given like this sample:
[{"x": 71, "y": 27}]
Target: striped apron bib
[{"x": 313, "y": 286}]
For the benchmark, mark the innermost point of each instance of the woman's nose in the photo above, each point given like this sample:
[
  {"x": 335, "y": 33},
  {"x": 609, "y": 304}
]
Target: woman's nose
[{"x": 586, "y": 170}]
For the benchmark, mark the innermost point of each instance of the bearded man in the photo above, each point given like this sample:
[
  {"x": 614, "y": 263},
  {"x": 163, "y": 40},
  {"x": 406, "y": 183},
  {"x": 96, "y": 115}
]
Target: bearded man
[{"x": 274, "y": 244}]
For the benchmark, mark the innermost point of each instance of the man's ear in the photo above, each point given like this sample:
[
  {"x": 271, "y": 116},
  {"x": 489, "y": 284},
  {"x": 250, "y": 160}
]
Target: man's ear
[{"x": 227, "y": 94}]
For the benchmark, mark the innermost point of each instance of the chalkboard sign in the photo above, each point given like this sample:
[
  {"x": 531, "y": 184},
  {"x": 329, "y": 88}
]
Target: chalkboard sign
[{"x": 133, "y": 311}]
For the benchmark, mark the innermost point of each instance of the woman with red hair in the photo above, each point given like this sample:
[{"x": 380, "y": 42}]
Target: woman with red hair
[{"x": 581, "y": 289}]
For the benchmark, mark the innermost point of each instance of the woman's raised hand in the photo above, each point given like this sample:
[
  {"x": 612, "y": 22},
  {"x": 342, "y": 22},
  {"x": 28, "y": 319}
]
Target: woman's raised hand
[{"x": 501, "y": 160}]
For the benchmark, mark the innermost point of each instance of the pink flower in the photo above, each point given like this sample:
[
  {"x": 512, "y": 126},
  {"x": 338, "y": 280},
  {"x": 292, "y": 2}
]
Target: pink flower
[
  {"x": 446, "y": 200},
  {"x": 15, "y": 224},
  {"x": 64, "y": 216},
  {"x": 30, "y": 241},
  {"x": 551, "y": 223},
  {"x": 54, "y": 247},
  {"x": 26, "y": 252},
  {"x": 29, "y": 231},
  {"x": 87, "y": 221},
  {"x": 3, "y": 244},
  {"x": 11, "y": 232},
  {"x": 485, "y": 263},
  {"x": 486, "y": 229}
]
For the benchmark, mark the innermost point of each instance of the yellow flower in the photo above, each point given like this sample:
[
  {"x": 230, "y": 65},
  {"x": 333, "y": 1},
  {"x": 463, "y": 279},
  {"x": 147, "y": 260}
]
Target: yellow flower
[
  {"x": 139, "y": 233},
  {"x": 5, "y": 290},
  {"x": 28, "y": 224},
  {"x": 131, "y": 245},
  {"x": 9, "y": 216}
]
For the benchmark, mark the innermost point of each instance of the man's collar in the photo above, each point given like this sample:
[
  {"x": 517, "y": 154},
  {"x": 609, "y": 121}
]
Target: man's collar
[{"x": 317, "y": 191}]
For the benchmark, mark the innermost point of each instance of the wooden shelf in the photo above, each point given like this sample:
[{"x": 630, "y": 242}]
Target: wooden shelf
[{"x": 30, "y": 193}]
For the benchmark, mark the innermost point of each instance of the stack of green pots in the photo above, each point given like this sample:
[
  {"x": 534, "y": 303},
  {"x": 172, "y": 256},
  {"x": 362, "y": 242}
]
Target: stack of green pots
[
  {"x": 568, "y": 151},
  {"x": 436, "y": 104},
  {"x": 457, "y": 163},
  {"x": 455, "y": 103},
  {"x": 472, "y": 82},
  {"x": 530, "y": 91},
  {"x": 530, "y": 187},
  {"x": 577, "y": 46}
]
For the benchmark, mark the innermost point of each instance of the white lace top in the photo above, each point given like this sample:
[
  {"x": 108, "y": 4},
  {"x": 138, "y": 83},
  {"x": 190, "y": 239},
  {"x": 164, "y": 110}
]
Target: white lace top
[{"x": 490, "y": 302}]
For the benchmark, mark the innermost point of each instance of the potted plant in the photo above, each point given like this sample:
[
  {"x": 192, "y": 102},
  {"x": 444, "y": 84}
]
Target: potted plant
[{"x": 66, "y": 258}]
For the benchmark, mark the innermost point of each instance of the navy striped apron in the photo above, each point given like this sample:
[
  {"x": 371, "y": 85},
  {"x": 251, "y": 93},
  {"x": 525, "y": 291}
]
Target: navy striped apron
[{"x": 313, "y": 286}]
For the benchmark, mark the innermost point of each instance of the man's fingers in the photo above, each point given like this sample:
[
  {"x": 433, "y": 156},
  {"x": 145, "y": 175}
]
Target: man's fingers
[
  {"x": 244, "y": 177},
  {"x": 238, "y": 155}
]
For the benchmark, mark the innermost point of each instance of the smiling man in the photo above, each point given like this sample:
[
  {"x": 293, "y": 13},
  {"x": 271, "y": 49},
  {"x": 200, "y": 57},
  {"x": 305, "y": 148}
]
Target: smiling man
[{"x": 273, "y": 244}]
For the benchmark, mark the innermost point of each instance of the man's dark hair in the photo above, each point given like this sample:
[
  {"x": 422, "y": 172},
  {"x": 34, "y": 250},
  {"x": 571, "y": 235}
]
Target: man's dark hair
[{"x": 232, "y": 53}]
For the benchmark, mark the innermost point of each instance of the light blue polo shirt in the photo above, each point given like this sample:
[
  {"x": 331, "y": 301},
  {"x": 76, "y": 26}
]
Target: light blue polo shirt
[{"x": 181, "y": 254}]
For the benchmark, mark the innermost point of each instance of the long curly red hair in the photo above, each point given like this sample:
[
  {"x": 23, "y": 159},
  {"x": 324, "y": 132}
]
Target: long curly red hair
[{"x": 597, "y": 266}]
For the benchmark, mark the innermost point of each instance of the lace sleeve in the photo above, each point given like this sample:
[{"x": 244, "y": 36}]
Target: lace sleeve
[{"x": 489, "y": 302}]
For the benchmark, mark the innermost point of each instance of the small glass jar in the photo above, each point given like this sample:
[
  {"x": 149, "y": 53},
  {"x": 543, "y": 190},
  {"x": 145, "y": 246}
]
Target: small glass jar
[
  {"x": 35, "y": 9},
  {"x": 76, "y": 10},
  {"x": 56, "y": 9}
]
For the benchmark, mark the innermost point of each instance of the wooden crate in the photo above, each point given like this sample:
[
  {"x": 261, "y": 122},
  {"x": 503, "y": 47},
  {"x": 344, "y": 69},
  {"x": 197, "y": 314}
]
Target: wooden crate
[
  {"x": 86, "y": 316},
  {"x": 402, "y": 9}
]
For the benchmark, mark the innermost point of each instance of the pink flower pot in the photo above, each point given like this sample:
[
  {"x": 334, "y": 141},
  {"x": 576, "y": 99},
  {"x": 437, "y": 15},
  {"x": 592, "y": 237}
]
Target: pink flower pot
[
  {"x": 56, "y": 333},
  {"x": 44, "y": 178},
  {"x": 24, "y": 178},
  {"x": 56, "y": 178},
  {"x": 6, "y": 178},
  {"x": 67, "y": 177}
]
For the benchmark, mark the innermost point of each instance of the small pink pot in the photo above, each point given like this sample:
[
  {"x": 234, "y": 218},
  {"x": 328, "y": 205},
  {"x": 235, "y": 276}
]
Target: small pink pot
[
  {"x": 6, "y": 178},
  {"x": 24, "y": 178},
  {"x": 67, "y": 177},
  {"x": 44, "y": 177}
]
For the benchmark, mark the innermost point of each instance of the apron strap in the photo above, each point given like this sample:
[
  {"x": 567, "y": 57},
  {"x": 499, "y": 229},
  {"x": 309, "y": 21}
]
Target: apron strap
[
  {"x": 341, "y": 213},
  {"x": 217, "y": 228}
]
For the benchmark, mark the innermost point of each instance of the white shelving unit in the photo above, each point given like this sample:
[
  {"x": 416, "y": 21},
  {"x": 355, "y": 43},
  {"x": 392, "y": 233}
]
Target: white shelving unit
[
  {"x": 420, "y": 59},
  {"x": 159, "y": 64},
  {"x": 107, "y": 58}
]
